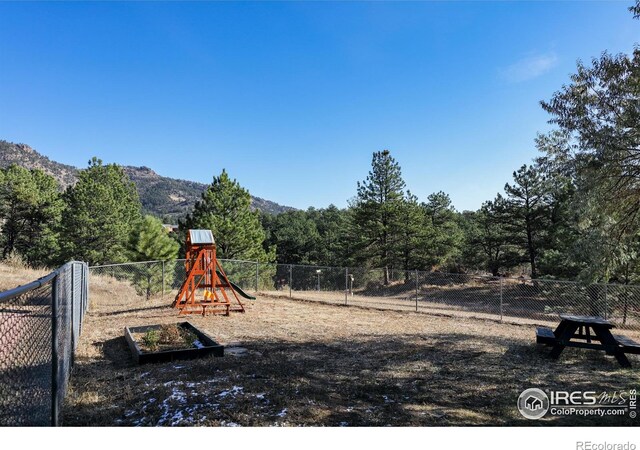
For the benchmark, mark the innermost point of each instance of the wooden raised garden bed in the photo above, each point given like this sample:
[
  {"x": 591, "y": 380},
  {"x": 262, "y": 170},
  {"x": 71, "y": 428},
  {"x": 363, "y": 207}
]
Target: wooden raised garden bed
[{"x": 161, "y": 343}]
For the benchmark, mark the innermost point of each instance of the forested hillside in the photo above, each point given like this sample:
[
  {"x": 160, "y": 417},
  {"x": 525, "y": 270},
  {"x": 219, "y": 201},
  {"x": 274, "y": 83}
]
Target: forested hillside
[{"x": 164, "y": 197}]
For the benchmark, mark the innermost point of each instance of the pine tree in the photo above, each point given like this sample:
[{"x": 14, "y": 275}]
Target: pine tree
[
  {"x": 443, "y": 237},
  {"x": 333, "y": 244},
  {"x": 488, "y": 245},
  {"x": 225, "y": 209},
  {"x": 151, "y": 242},
  {"x": 30, "y": 210},
  {"x": 376, "y": 212},
  {"x": 102, "y": 210},
  {"x": 411, "y": 234},
  {"x": 296, "y": 235},
  {"x": 527, "y": 212}
]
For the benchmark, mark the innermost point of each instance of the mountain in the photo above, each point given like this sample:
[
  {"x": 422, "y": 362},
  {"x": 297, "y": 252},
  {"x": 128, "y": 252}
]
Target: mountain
[{"x": 167, "y": 198}]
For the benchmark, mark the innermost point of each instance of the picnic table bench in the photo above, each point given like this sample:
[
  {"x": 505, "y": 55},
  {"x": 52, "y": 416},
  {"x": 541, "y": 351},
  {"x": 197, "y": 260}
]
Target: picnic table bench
[{"x": 587, "y": 332}]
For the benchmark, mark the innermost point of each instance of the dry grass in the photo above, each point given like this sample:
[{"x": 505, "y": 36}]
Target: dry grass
[
  {"x": 12, "y": 276},
  {"x": 313, "y": 364}
]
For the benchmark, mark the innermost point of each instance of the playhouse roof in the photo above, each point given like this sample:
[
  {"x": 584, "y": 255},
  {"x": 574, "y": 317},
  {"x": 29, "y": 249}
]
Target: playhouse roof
[{"x": 201, "y": 237}]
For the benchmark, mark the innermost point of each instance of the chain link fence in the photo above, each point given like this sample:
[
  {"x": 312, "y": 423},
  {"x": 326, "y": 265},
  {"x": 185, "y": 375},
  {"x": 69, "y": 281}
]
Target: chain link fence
[
  {"x": 40, "y": 324},
  {"x": 164, "y": 278},
  {"x": 518, "y": 300}
]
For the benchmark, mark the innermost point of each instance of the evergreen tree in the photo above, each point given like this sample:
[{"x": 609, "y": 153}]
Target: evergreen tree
[
  {"x": 225, "y": 209},
  {"x": 597, "y": 115},
  {"x": 412, "y": 234},
  {"x": 376, "y": 212},
  {"x": 443, "y": 236},
  {"x": 296, "y": 236},
  {"x": 333, "y": 244},
  {"x": 150, "y": 241},
  {"x": 102, "y": 210},
  {"x": 557, "y": 259},
  {"x": 488, "y": 244},
  {"x": 526, "y": 211},
  {"x": 598, "y": 111},
  {"x": 30, "y": 210}
]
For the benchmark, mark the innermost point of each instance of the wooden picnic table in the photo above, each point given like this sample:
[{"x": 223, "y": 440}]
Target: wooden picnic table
[{"x": 587, "y": 332}]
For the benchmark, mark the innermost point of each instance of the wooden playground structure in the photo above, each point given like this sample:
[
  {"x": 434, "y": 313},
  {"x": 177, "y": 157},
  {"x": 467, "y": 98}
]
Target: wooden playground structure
[{"x": 206, "y": 288}]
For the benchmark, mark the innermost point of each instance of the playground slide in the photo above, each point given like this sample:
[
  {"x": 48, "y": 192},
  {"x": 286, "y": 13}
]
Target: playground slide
[{"x": 238, "y": 289}]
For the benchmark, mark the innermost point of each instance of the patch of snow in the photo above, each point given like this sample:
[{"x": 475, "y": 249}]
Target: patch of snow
[
  {"x": 169, "y": 416},
  {"x": 229, "y": 424},
  {"x": 198, "y": 344},
  {"x": 282, "y": 413},
  {"x": 235, "y": 351},
  {"x": 175, "y": 408},
  {"x": 177, "y": 418},
  {"x": 233, "y": 391}
]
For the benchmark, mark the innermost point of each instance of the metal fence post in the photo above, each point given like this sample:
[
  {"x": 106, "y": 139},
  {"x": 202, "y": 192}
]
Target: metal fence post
[
  {"x": 605, "y": 303},
  {"x": 257, "y": 274},
  {"x": 501, "y": 283},
  {"x": 163, "y": 280},
  {"x": 417, "y": 289},
  {"x": 87, "y": 298},
  {"x": 73, "y": 307},
  {"x": 290, "y": 280},
  {"x": 346, "y": 285},
  {"x": 83, "y": 280},
  {"x": 54, "y": 351},
  {"x": 85, "y": 291}
]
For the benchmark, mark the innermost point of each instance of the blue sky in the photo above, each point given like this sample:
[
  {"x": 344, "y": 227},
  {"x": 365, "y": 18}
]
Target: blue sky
[{"x": 293, "y": 98}]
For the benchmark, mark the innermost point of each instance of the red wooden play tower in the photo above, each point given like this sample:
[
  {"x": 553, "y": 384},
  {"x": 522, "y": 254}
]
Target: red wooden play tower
[{"x": 206, "y": 288}]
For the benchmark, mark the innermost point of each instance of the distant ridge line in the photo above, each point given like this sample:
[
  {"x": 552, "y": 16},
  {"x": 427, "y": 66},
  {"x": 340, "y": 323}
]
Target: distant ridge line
[{"x": 164, "y": 197}]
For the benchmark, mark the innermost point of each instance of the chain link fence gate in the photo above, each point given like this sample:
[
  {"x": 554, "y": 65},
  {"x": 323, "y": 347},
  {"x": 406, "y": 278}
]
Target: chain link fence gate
[{"x": 40, "y": 324}]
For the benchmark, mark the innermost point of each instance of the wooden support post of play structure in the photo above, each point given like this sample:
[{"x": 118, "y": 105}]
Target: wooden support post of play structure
[
  {"x": 163, "y": 279},
  {"x": 290, "y": 280}
]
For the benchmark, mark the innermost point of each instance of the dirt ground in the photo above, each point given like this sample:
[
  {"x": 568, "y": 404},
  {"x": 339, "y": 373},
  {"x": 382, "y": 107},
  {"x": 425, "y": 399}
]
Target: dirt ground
[{"x": 298, "y": 363}]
